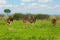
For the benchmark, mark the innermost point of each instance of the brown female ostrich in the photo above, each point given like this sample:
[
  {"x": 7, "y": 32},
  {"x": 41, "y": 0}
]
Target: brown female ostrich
[
  {"x": 54, "y": 21},
  {"x": 30, "y": 20},
  {"x": 9, "y": 20}
]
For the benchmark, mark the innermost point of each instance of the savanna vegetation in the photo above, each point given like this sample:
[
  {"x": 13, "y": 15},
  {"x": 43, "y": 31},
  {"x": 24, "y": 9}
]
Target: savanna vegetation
[{"x": 42, "y": 29}]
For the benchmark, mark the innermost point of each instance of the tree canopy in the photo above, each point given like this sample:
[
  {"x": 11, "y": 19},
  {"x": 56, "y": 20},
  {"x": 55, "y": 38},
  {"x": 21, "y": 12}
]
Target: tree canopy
[{"x": 7, "y": 11}]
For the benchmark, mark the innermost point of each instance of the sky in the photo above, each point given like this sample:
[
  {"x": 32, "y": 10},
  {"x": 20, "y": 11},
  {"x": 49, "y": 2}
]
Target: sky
[{"x": 51, "y": 7}]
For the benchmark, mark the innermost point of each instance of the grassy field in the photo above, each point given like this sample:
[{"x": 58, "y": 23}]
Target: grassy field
[{"x": 41, "y": 30}]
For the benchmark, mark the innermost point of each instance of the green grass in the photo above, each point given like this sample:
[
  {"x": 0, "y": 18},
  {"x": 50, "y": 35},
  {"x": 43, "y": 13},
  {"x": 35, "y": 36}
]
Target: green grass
[{"x": 41, "y": 30}]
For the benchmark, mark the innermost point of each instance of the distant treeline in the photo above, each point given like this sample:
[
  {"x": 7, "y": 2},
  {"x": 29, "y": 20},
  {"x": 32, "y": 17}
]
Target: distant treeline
[{"x": 18, "y": 16}]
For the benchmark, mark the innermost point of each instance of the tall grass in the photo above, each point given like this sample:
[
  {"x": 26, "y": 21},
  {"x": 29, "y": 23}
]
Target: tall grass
[{"x": 41, "y": 30}]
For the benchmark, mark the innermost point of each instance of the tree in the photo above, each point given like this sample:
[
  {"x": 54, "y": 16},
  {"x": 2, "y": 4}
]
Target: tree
[
  {"x": 7, "y": 11},
  {"x": 42, "y": 16},
  {"x": 18, "y": 16}
]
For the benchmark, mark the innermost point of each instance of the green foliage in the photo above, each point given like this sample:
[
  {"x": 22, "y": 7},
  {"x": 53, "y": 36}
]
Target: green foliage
[
  {"x": 42, "y": 16},
  {"x": 7, "y": 11},
  {"x": 18, "y": 16}
]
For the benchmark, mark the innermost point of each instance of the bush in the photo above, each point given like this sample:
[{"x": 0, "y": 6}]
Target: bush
[
  {"x": 42, "y": 16},
  {"x": 17, "y": 16}
]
